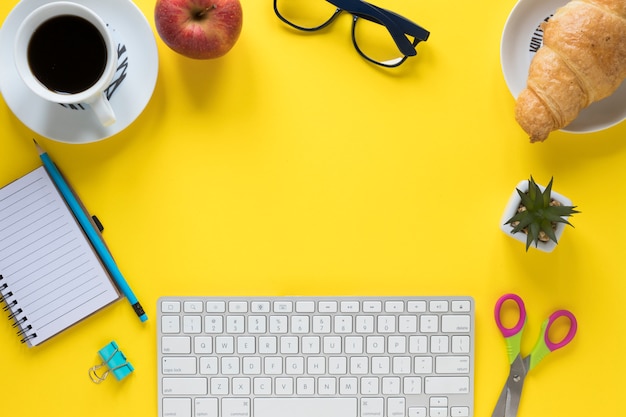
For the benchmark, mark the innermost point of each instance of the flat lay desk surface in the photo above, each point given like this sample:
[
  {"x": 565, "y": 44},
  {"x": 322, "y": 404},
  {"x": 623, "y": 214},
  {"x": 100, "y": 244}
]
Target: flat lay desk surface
[{"x": 293, "y": 167}]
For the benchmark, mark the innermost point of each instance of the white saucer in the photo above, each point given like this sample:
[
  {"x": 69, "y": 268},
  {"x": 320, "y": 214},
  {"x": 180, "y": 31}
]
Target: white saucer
[
  {"x": 130, "y": 91},
  {"x": 520, "y": 35}
]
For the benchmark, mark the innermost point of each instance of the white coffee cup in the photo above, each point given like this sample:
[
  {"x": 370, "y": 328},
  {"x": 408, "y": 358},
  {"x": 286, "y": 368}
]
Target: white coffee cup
[{"x": 50, "y": 74}]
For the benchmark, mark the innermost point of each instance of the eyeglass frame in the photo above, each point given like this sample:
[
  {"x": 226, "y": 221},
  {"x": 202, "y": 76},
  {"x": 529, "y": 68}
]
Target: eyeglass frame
[{"x": 398, "y": 27}]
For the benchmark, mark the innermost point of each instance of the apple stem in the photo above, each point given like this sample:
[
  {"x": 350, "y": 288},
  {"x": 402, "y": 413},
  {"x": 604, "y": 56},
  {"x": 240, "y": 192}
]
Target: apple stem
[{"x": 200, "y": 14}]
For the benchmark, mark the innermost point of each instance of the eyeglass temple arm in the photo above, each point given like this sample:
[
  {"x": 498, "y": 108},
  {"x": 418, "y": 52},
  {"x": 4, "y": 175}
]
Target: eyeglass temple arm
[{"x": 407, "y": 26}]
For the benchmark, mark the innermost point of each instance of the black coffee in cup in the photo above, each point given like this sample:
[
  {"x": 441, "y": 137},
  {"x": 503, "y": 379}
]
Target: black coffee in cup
[{"x": 67, "y": 54}]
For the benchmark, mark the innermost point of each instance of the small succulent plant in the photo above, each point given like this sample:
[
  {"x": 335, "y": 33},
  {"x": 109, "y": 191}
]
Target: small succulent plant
[{"x": 538, "y": 214}]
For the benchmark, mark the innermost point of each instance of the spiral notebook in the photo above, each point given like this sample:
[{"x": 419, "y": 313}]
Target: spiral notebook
[{"x": 50, "y": 276}]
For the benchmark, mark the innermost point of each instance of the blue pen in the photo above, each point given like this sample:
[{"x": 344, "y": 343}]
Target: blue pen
[{"x": 90, "y": 231}]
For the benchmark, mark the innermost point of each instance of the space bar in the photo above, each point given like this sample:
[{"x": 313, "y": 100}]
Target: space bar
[{"x": 304, "y": 407}]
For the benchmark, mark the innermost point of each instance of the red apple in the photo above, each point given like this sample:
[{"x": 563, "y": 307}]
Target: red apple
[{"x": 199, "y": 29}]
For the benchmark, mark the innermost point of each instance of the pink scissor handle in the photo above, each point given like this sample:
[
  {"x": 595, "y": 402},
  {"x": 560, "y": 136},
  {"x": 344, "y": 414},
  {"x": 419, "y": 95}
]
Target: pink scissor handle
[
  {"x": 508, "y": 332},
  {"x": 570, "y": 334}
]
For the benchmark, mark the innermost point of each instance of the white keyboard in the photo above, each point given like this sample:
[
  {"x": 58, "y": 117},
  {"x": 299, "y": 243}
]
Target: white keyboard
[{"x": 315, "y": 356}]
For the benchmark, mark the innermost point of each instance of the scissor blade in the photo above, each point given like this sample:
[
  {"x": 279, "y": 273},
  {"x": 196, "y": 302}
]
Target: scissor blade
[
  {"x": 513, "y": 399},
  {"x": 500, "y": 409},
  {"x": 509, "y": 400}
]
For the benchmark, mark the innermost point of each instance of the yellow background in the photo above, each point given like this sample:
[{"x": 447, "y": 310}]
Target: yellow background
[{"x": 292, "y": 166}]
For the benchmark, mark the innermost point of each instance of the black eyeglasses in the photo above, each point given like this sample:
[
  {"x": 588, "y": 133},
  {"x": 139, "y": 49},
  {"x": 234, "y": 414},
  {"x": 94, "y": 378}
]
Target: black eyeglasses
[{"x": 383, "y": 37}]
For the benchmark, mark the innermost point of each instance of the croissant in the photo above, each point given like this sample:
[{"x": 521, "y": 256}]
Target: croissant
[{"x": 582, "y": 60}]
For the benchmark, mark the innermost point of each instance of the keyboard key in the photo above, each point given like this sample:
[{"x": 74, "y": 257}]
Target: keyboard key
[
  {"x": 237, "y": 307},
  {"x": 459, "y": 412},
  {"x": 225, "y": 345},
  {"x": 349, "y": 307},
  {"x": 372, "y": 306},
  {"x": 202, "y": 344},
  {"x": 283, "y": 306},
  {"x": 412, "y": 385},
  {"x": 216, "y": 306},
  {"x": 208, "y": 365},
  {"x": 364, "y": 324},
  {"x": 438, "y": 401},
  {"x": 353, "y": 344},
  {"x": 455, "y": 323},
  {"x": 206, "y": 407},
  {"x": 193, "y": 306},
  {"x": 321, "y": 324},
  {"x": 463, "y": 306},
  {"x": 343, "y": 324},
  {"x": 219, "y": 386},
  {"x": 429, "y": 323},
  {"x": 460, "y": 344},
  {"x": 305, "y": 407},
  {"x": 278, "y": 324},
  {"x": 284, "y": 386},
  {"x": 305, "y": 306},
  {"x": 372, "y": 406},
  {"x": 262, "y": 386},
  {"x": 418, "y": 344},
  {"x": 311, "y": 345},
  {"x": 423, "y": 365},
  {"x": 246, "y": 345},
  {"x": 170, "y": 324},
  {"x": 268, "y": 345},
  {"x": 214, "y": 324},
  {"x": 438, "y": 306},
  {"x": 396, "y": 406},
  {"x": 230, "y": 365},
  {"x": 401, "y": 365},
  {"x": 407, "y": 324},
  {"x": 177, "y": 407},
  {"x": 289, "y": 344},
  {"x": 394, "y": 306},
  {"x": 438, "y": 412},
  {"x": 300, "y": 324},
  {"x": 257, "y": 324},
  {"x": 192, "y": 324},
  {"x": 235, "y": 324},
  {"x": 396, "y": 344},
  {"x": 260, "y": 307},
  {"x": 446, "y": 385},
  {"x": 173, "y": 344},
  {"x": 439, "y": 344},
  {"x": 416, "y": 306},
  {"x": 328, "y": 306},
  {"x": 236, "y": 407},
  {"x": 179, "y": 366},
  {"x": 241, "y": 386},
  {"x": 170, "y": 307},
  {"x": 185, "y": 386},
  {"x": 452, "y": 364},
  {"x": 417, "y": 412},
  {"x": 386, "y": 324},
  {"x": 391, "y": 385}
]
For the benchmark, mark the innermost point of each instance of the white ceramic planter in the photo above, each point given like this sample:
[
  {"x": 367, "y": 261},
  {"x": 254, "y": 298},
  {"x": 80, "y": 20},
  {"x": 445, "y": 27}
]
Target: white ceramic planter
[{"x": 511, "y": 209}]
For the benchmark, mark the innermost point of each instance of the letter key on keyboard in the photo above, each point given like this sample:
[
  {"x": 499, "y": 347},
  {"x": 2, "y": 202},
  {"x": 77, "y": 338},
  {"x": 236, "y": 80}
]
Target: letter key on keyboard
[{"x": 315, "y": 356}]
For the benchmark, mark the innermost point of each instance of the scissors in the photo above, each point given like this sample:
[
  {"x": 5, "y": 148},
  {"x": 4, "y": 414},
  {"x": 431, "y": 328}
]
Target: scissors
[{"x": 509, "y": 400}]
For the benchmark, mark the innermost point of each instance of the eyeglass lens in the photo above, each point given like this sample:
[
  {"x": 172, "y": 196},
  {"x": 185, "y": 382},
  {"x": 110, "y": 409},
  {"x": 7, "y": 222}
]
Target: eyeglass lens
[
  {"x": 375, "y": 42},
  {"x": 305, "y": 14}
]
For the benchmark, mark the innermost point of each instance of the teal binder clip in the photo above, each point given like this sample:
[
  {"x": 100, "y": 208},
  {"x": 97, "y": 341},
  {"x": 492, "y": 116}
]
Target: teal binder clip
[{"x": 115, "y": 360}]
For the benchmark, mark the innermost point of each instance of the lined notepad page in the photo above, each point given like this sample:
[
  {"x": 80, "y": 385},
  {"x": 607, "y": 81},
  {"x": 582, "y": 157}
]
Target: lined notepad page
[{"x": 51, "y": 276}]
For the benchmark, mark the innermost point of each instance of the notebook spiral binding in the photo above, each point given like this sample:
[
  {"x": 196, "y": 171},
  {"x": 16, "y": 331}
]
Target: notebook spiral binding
[{"x": 15, "y": 313}]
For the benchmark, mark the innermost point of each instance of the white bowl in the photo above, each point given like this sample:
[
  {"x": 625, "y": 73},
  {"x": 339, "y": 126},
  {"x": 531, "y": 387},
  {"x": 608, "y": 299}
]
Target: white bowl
[{"x": 521, "y": 36}]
